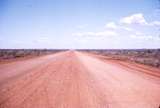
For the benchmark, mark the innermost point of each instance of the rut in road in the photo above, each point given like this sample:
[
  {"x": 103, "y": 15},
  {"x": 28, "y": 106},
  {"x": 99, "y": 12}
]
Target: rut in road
[
  {"x": 76, "y": 80},
  {"x": 62, "y": 84},
  {"x": 18, "y": 89}
]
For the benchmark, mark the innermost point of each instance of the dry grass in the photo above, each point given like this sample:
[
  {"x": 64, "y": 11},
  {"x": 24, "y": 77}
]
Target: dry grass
[
  {"x": 10, "y": 54},
  {"x": 144, "y": 56}
]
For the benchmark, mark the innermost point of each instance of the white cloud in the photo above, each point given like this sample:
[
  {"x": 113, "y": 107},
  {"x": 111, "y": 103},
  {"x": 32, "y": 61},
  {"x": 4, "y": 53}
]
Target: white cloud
[
  {"x": 82, "y": 26},
  {"x": 18, "y": 42},
  {"x": 138, "y": 33},
  {"x": 127, "y": 28},
  {"x": 106, "y": 33},
  {"x": 42, "y": 40},
  {"x": 103, "y": 33},
  {"x": 138, "y": 19},
  {"x": 111, "y": 25},
  {"x": 155, "y": 23},
  {"x": 120, "y": 30},
  {"x": 134, "y": 19},
  {"x": 145, "y": 37},
  {"x": 141, "y": 36}
]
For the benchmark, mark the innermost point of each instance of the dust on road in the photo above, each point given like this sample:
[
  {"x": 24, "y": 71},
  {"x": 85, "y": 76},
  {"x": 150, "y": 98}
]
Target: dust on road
[{"x": 73, "y": 79}]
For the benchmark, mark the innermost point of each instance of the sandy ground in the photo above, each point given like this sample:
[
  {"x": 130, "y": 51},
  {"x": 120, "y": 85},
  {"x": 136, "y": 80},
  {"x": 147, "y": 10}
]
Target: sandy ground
[{"x": 77, "y": 80}]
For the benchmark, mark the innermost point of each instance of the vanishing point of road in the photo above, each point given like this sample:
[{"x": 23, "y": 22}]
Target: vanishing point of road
[{"x": 73, "y": 79}]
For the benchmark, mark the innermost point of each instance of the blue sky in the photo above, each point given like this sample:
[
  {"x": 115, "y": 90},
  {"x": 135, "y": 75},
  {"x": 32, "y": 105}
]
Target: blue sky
[{"x": 106, "y": 24}]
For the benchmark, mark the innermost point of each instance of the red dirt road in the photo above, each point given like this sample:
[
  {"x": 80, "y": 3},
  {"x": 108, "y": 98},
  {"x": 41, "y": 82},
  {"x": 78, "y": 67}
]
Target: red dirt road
[{"x": 76, "y": 80}]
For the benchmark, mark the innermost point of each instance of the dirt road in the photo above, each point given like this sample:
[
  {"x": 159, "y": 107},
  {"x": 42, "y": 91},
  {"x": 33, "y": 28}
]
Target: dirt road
[{"x": 76, "y": 80}]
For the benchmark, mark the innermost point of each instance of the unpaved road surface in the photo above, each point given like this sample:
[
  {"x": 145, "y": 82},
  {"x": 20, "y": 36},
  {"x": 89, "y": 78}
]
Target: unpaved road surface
[{"x": 77, "y": 80}]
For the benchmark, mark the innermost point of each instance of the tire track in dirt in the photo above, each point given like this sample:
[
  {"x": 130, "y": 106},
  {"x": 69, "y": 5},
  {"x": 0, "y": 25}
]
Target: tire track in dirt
[
  {"x": 27, "y": 103},
  {"x": 76, "y": 80},
  {"x": 131, "y": 90},
  {"x": 32, "y": 77}
]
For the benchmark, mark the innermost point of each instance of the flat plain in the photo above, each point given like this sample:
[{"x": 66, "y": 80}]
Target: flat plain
[{"x": 75, "y": 79}]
